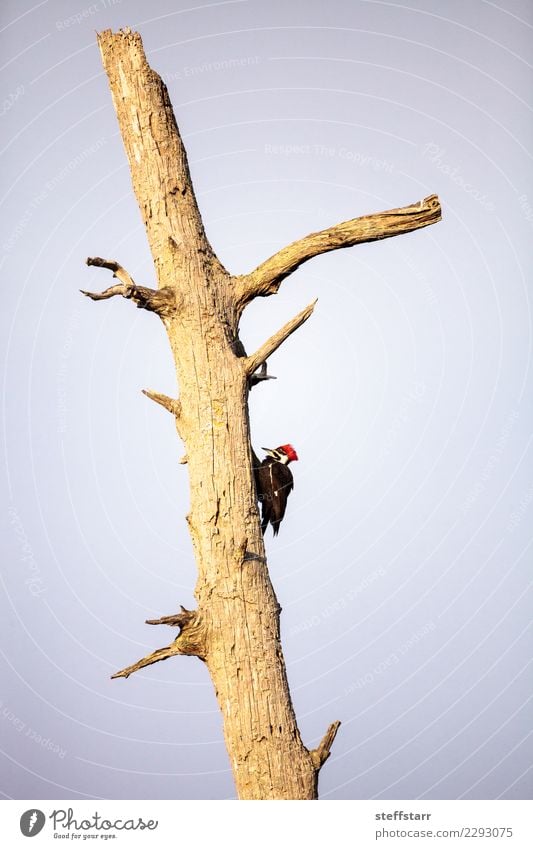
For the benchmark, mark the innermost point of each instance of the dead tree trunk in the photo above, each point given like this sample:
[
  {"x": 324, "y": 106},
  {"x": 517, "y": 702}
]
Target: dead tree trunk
[{"x": 235, "y": 628}]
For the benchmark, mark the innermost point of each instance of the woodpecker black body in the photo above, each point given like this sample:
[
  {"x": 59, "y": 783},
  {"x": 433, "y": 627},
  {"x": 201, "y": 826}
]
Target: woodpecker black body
[{"x": 274, "y": 482}]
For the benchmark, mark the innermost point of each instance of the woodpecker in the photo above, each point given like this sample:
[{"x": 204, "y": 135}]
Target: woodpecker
[{"x": 274, "y": 481}]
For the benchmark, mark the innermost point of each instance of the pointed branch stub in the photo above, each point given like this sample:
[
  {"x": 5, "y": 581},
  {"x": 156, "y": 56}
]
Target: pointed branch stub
[
  {"x": 253, "y": 362},
  {"x": 320, "y": 755},
  {"x": 170, "y": 404},
  {"x": 154, "y": 657}
]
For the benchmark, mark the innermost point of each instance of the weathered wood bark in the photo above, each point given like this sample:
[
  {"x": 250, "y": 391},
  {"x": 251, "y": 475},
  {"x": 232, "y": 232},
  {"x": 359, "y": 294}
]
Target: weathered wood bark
[{"x": 235, "y": 628}]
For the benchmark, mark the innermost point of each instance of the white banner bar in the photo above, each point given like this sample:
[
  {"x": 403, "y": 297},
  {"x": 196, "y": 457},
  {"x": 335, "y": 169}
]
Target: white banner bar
[{"x": 260, "y": 825}]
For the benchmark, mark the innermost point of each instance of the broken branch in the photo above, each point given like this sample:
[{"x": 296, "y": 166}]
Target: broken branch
[
  {"x": 190, "y": 641},
  {"x": 253, "y": 362},
  {"x": 320, "y": 755},
  {"x": 160, "y": 301},
  {"x": 268, "y": 276},
  {"x": 176, "y": 619}
]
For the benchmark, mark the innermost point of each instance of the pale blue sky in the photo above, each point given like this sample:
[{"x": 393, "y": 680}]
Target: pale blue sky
[{"x": 404, "y": 561}]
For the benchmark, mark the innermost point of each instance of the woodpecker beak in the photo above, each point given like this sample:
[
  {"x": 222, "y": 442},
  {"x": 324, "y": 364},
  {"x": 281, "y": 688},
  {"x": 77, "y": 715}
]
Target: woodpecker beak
[{"x": 271, "y": 452}]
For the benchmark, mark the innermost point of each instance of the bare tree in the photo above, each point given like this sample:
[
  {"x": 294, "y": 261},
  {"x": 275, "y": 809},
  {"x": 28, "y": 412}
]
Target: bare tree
[{"x": 235, "y": 628}]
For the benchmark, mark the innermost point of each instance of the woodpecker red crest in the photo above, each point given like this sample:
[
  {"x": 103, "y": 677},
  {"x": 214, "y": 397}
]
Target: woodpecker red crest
[{"x": 289, "y": 451}]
